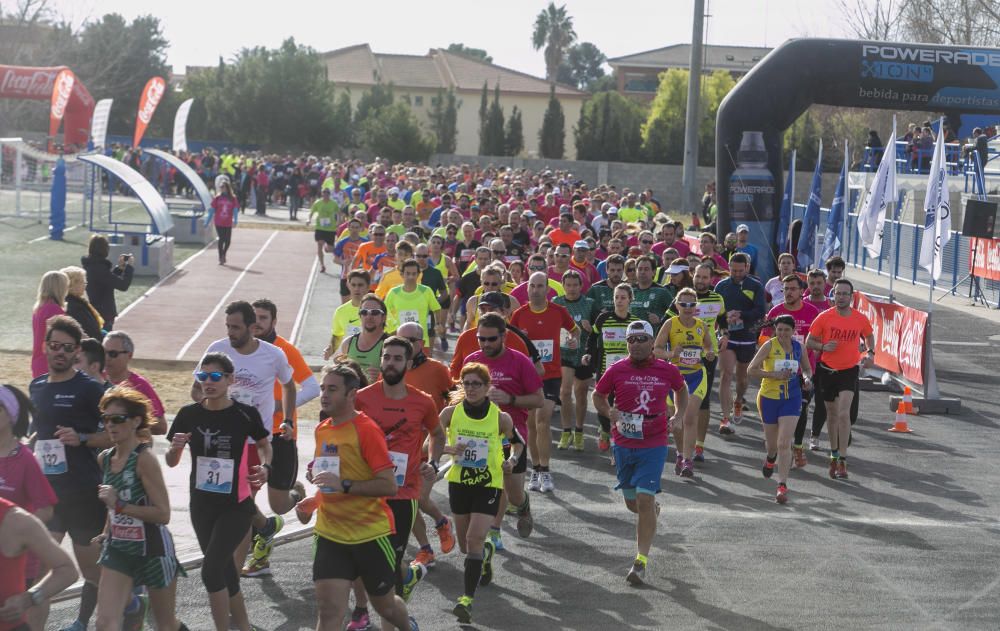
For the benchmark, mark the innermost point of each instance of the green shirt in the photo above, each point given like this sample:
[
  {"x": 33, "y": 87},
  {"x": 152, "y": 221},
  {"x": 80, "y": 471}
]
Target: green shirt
[
  {"x": 326, "y": 211},
  {"x": 410, "y": 306},
  {"x": 603, "y": 296},
  {"x": 583, "y": 308},
  {"x": 397, "y": 229},
  {"x": 654, "y": 299},
  {"x": 346, "y": 321}
]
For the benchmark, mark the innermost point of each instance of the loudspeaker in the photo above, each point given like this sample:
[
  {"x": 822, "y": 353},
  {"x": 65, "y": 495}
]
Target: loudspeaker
[{"x": 980, "y": 219}]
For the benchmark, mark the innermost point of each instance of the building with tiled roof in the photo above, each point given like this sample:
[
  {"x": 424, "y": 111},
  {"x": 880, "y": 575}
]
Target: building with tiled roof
[
  {"x": 638, "y": 73},
  {"x": 418, "y": 79}
]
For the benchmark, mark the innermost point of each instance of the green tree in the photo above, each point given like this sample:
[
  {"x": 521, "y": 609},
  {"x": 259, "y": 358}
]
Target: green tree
[
  {"x": 379, "y": 96},
  {"x": 553, "y": 31},
  {"x": 342, "y": 120},
  {"x": 492, "y": 141},
  {"x": 584, "y": 65},
  {"x": 472, "y": 53},
  {"x": 393, "y": 132},
  {"x": 484, "y": 110},
  {"x": 444, "y": 120},
  {"x": 663, "y": 131},
  {"x": 609, "y": 129},
  {"x": 552, "y": 135},
  {"x": 514, "y": 136}
]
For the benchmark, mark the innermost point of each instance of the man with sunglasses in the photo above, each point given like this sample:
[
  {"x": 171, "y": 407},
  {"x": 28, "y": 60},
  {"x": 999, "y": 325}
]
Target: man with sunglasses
[
  {"x": 365, "y": 347},
  {"x": 69, "y": 433},
  {"x": 639, "y": 387},
  {"x": 346, "y": 321},
  {"x": 118, "y": 351}
]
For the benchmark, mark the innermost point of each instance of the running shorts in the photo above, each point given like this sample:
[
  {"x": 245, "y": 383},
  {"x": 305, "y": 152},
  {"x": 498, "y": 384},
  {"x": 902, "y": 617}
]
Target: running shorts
[
  {"x": 153, "y": 572},
  {"x": 284, "y": 464},
  {"x": 709, "y": 381},
  {"x": 639, "y": 468},
  {"x": 81, "y": 515},
  {"x": 771, "y": 409},
  {"x": 326, "y": 236},
  {"x": 836, "y": 381},
  {"x": 373, "y": 561},
  {"x": 744, "y": 351},
  {"x": 465, "y": 499},
  {"x": 550, "y": 387}
]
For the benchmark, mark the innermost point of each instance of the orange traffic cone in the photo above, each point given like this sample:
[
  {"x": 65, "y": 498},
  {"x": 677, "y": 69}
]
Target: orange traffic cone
[
  {"x": 901, "y": 424},
  {"x": 908, "y": 399}
]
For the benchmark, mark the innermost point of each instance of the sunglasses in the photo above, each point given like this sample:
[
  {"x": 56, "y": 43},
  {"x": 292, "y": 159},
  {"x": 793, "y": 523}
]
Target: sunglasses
[
  {"x": 500, "y": 252},
  {"x": 644, "y": 242},
  {"x": 215, "y": 375},
  {"x": 687, "y": 305},
  {"x": 638, "y": 339},
  {"x": 66, "y": 347},
  {"x": 537, "y": 268},
  {"x": 472, "y": 384},
  {"x": 487, "y": 338},
  {"x": 114, "y": 354},
  {"x": 562, "y": 256},
  {"x": 378, "y": 234},
  {"x": 370, "y": 312},
  {"x": 117, "y": 419},
  {"x": 422, "y": 256}
]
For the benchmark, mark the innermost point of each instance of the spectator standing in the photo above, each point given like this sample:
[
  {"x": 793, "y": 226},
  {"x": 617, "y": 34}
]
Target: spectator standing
[
  {"x": 51, "y": 301},
  {"x": 77, "y": 305},
  {"x": 103, "y": 280}
]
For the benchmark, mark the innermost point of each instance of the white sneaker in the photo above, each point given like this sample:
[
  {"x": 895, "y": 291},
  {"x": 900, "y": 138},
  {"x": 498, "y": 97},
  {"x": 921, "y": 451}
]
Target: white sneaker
[
  {"x": 547, "y": 485},
  {"x": 534, "y": 484},
  {"x": 813, "y": 443}
]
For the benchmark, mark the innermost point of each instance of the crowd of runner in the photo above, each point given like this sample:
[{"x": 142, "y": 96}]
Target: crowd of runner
[{"x": 546, "y": 294}]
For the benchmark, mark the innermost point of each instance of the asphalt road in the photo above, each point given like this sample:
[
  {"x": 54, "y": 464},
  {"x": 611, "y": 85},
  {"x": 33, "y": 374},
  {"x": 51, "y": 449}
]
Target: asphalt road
[{"x": 909, "y": 542}]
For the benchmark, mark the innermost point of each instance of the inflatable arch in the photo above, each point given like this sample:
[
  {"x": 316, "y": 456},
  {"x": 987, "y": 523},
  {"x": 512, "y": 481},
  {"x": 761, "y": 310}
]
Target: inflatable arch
[{"x": 20, "y": 82}]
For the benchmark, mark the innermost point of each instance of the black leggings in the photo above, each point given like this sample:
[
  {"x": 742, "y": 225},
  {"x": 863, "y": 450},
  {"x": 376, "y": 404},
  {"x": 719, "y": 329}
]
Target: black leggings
[
  {"x": 225, "y": 238},
  {"x": 220, "y": 528}
]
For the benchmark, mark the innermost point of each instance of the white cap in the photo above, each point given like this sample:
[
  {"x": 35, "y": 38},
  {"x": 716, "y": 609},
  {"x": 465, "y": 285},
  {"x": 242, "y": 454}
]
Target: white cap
[
  {"x": 742, "y": 228},
  {"x": 639, "y": 327},
  {"x": 393, "y": 191}
]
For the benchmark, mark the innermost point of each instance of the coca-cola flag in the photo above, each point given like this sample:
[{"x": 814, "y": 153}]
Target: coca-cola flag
[
  {"x": 62, "y": 90},
  {"x": 151, "y": 96}
]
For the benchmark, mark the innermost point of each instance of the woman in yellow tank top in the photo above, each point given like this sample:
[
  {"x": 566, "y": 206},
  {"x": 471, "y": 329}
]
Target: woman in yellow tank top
[
  {"x": 684, "y": 341},
  {"x": 782, "y": 365},
  {"x": 477, "y": 431}
]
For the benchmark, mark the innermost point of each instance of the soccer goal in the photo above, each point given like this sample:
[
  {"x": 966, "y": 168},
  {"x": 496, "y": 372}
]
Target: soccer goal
[{"x": 26, "y": 182}]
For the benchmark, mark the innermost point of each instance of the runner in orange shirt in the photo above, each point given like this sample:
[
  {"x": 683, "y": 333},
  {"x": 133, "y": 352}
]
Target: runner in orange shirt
[{"x": 367, "y": 252}]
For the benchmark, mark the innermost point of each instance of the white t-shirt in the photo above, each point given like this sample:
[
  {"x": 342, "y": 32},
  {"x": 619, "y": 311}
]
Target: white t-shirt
[
  {"x": 255, "y": 374},
  {"x": 777, "y": 290}
]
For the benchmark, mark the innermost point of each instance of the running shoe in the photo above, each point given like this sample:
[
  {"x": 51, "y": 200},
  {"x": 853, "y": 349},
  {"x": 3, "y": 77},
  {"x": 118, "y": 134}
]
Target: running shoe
[
  {"x": 413, "y": 624},
  {"x": 687, "y": 469},
  {"x": 256, "y": 567},
  {"x": 76, "y": 626},
  {"x": 360, "y": 621},
  {"x": 678, "y": 464},
  {"x": 737, "y": 412},
  {"x": 636, "y": 574},
  {"x": 814, "y": 443},
  {"x": 535, "y": 482},
  {"x": 699, "y": 454},
  {"x": 424, "y": 557},
  {"x": 264, "y": 541},
  {"x": 463, "y": 609},
  {"x": 782, "y": 495},
  {"x": 800, "y": 457},
  {"x": 496, "y": 538},
  {"x": 444, "y": 344},
  {"x": 565, "y": 440},
  {"x": 414, "y": 573},
  {"x": 725, "y": 429},
  {"x": 487, "y": 576},
  {"x": 445, "y": 536},
  {"x": 525, "y": 522},
  {"x": 842, "y": 469},
  {"x": 578, "y": 440},
  {"x": 767, "y": 469},
  {"x": 133, "y": 620},
  {"x": 833, "y": 468},
  {"x": 604, "y": 441},
  {"x": 547, "y": 486}
]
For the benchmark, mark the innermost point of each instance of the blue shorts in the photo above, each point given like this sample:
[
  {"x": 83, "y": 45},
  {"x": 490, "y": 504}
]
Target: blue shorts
[
  {"x": 771, "y": 409},
  {"x": 639, "y": 469}
]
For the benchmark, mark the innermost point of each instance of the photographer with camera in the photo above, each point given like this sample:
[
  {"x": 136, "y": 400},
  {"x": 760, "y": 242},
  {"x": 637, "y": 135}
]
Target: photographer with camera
[{"x": 103, "y": 280}]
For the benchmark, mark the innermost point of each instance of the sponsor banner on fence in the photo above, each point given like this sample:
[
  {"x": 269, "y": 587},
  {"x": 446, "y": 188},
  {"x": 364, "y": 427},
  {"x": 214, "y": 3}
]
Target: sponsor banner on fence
[
  {"x": 900, "y": 335},
  {"x": 987, "y": 261}
]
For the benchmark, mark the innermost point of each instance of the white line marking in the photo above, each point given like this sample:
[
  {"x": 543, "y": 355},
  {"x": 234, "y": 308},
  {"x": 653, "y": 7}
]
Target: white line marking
[
  {"x": 45, "y": 236},
  {"x": 222, "y": 301},
  {"x": 306, "y": 298},
  {"x": 948, "y": 343},
  {"x": 176, "y": 269}
]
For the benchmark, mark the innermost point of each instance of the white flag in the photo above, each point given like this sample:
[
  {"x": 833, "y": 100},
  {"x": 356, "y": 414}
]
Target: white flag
[
  {"x": 180, "y": 126},
  {"x": 99, "y": 123},
  {"x": 871, "y": 219},
  {"x": 937, "y": 220}
]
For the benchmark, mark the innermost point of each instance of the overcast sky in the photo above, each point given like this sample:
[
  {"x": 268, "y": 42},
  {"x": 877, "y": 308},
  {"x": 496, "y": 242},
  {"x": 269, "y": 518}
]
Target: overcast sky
[{"x": 199, "y": 32}]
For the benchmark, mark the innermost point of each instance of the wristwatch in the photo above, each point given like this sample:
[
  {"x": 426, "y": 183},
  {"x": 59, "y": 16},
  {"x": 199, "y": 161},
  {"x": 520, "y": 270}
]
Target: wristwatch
[
  {"x": 36, "y": 595},
  {"x": 346, "y": 485},
  {"x": 83, "y": 437}
]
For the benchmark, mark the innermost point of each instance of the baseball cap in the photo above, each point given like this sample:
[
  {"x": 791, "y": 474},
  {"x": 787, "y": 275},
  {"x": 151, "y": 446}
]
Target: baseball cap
[
  {"x": 393, "y": 191},
  {"x": 742, "y": 228},
  {"x": 639, "y": 327},
  {"x": 495, "y": 299},
  {"x": 677, "y": 269},
  {"x": 581, "y": 244},
  {"x": 613, "y": 210}
]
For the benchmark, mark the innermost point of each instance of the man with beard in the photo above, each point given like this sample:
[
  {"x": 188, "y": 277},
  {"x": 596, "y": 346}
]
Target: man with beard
[
  {"x": 283, "y": 488},
  {"x": 516, "y": 388},
  {"x": 603, "y": 292},
  {"x": 257, "y": 366},
  {"x": 365, "y": 347},
  {"x": 403, "y": 413}
]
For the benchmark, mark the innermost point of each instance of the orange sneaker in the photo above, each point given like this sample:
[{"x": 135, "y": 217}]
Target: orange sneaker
[
  {"x": 425, "y": 558},
  {"x": 445, "y": 536},
  {"x": 800, "y": 457}
]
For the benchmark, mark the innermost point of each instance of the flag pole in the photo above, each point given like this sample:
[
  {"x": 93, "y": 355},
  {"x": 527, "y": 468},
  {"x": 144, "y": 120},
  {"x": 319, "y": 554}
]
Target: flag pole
[
  {"x": 892, "y": 214},
  {"x": 791, "y": 206},
  {"x": 847, "y": 174}
]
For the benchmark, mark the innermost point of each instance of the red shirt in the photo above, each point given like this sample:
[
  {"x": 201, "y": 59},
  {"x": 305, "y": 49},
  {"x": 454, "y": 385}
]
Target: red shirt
[
  {"x": 558, "y": 237},
  {"x": 225, "y": 209},
  {"x": 544, "y": 330}
]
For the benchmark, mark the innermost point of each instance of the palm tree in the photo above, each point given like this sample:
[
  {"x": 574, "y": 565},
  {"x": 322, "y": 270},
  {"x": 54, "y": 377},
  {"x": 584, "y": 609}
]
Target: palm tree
[{"x": 554, "y": 31}]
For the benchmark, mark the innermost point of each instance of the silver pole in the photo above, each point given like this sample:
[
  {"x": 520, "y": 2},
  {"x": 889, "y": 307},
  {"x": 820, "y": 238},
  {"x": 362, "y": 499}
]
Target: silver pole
[{"x": 693, "y": 118}]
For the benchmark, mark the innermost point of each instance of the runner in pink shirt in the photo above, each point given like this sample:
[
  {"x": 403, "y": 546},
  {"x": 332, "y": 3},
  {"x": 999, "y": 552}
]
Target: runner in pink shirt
[{"x": 637, "y": 387}]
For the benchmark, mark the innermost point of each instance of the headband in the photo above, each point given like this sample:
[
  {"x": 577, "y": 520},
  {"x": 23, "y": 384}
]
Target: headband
[{"x": 9, "y": 401}]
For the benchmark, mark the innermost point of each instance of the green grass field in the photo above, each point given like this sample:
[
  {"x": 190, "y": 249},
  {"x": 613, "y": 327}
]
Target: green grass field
[{"x": 25, "y": 257}]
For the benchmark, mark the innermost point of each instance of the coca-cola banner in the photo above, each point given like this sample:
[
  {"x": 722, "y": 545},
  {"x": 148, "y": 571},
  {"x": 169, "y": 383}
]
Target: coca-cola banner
[
  {"x": 40, "y": 84},
  {"x": 151, "y": 96},
  {"x": 987, "y": 260},
  {"x": 900, "y": 335},
  {"x": 62, "y": 90}
]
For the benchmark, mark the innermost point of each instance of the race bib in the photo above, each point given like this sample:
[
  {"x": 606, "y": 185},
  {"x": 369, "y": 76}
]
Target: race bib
[
  {"x": 51, "y": 455},
  {"x": 614, "y": 357},
  {"x": 786, "y": 364},
  {"x": 708, "y": 310},
  {"x": 564, "y": 338},
  {"x": 214, "y": 475},
  {"x": 325, "y": 222},
  {"x": 467, "y": 255},
  {"x": 241, "y": 395},
  {"x": 736, "y": 326},
  {"x": 613, "y": 334},
  {"x": 125, "y": 528},
  {"x": 399, "y": 462},
  {"x": 545, "y": 349},
  {"x": 691, "y": 356},
  {"x": 475, "y": 451},
  {"x": 630, "y": 425},
  {"x": 409, "y": 315},
  {"x": 327, "y": 463}
]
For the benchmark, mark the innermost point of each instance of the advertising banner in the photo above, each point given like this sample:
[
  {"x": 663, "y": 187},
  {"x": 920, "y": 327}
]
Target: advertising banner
[
  {"x": 62, "y": 90},
  {"x": 151, "y": 96},
  {"x": 39, "y": 84},
  {"x": 986, "y": 263},
  {"x": 900, "y": 335},
  {"x": 99, "y": 126},
  {"x": 180, "y": 126}
]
